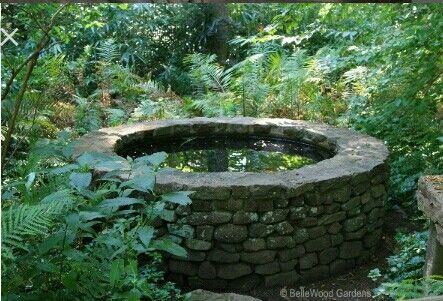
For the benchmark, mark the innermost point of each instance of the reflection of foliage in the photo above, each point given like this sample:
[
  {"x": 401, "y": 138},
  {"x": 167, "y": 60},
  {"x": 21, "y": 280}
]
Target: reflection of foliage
[{"x": 238, "y": 160}]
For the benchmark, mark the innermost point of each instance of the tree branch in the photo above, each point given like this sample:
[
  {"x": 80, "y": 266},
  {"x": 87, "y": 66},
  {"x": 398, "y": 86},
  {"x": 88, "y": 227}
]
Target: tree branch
[{"x": 38, "y": 49}]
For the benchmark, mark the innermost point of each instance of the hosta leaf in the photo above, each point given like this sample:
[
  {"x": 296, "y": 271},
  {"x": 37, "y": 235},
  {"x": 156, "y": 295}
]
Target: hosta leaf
[
  {"x": 112, "y": 165},
  {"x": 69, "y": 280},
  {"x": 134, "y": 295},
  {"x": 96, "y": 159},
  {"x": 46, "y": 266},
  {"x": 178, "y": 197}
]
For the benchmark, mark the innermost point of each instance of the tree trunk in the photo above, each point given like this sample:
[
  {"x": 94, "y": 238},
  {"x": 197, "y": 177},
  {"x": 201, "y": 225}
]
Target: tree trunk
[{"x": 218, "y": 32}]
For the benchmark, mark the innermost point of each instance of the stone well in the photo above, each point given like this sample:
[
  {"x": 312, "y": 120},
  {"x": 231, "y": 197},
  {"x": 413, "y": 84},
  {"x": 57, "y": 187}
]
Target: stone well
[{"x": 269, "y": 228}]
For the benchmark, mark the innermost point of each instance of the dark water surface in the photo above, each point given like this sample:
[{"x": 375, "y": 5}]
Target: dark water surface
[{"x": 230, "y": 153}]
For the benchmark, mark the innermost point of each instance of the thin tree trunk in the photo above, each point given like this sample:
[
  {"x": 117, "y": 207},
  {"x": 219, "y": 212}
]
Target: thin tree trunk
[{"x": 17, "y": 105}]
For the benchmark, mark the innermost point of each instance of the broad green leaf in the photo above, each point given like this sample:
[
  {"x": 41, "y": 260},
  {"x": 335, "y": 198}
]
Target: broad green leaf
[
  {"x": 112, "y": 165},
  {"x": 157, "y": 158},
  {"x": 79, "y": 180},
  {"x": 132, "y": 267},
  {"x": 90, "y": 215},
  {"x": 178, "y": 197},
  {"x": 169, "y": 246},
  {"x": 141, "y": 169},
  {"x": 72, "y": 220},
  {"x": 64, "y": 169},
  {"x": 53, "y": 241},
  {"x": 143, "y": 183},
  {"x": 134, "y": 295},
  {"x": 120, "y": 201},
  {"x": 74, "y": 254},
  {"x": 106, "y": 161},
  {"x": 145, "y": 234},
  {"x": 154, "y": 159},
  {"x": 156, "y": 209},
  {"x": 69, "y": 280},
  {"x": 47, "y": 266}
]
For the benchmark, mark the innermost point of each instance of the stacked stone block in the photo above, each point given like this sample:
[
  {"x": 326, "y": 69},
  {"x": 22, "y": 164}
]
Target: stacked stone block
[{"x": 238, "y": 240}]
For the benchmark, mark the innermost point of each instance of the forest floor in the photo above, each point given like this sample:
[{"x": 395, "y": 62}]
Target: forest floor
[{"x": 356, "y": 280}]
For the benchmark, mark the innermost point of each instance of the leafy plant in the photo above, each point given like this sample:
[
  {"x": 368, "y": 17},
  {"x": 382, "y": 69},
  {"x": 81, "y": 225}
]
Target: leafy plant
[
  {"x": 90, "y": 240},
  {"x": 403, "y": 278}
]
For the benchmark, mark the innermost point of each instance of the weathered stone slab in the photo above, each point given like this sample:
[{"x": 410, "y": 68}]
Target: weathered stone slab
[
  {"x": 254, "y": 244},
  {"x": 230, "y": 233},
  {"x": 233, "y": 270},
  {"x": 208, "y": 218},
  {"x": 242, "y": 217},
  {"x": 217, "y": 255},
  {"x": 259, "y": 257}
]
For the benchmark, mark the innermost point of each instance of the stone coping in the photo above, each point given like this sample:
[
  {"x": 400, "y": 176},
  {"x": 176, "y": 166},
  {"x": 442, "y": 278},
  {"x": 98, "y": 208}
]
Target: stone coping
[
  {"x": 355, "y": 153},
  {"x": 430, "y": 201}
]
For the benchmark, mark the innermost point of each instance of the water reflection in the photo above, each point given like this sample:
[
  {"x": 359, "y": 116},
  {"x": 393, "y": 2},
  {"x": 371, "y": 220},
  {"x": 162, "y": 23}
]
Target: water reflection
[{"x": 215, "y": 154}]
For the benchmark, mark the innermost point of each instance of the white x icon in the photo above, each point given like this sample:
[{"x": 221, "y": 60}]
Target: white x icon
[{"x": 8, "y": 37}]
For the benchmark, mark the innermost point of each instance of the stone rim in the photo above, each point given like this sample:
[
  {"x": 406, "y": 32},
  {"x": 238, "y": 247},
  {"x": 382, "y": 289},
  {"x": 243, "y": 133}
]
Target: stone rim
[{"x": 355, "y": 154}]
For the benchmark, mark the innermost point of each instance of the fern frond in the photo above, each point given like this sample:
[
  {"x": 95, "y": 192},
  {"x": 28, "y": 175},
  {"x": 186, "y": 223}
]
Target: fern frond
[
  {"x": 208, "y": 74},
  {"x": 108, "y": 51},
  {"x": 22, "y": 222}
]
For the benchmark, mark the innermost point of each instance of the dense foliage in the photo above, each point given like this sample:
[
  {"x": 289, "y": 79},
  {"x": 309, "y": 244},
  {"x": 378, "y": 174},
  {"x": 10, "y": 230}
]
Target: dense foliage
[
  {"x": 86, "y": 241},
  {"x": 82, "y": 67}
]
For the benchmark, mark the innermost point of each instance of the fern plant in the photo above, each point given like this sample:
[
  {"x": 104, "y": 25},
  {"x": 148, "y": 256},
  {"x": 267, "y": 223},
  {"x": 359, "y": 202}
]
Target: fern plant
[
  {"x": 23, "y": 223},
  {"x": 250, "y": 85},
  {"x": 208, "y": 75},
  {"x": 88, "y": 241},
  {"x": 212, "y": 83}
]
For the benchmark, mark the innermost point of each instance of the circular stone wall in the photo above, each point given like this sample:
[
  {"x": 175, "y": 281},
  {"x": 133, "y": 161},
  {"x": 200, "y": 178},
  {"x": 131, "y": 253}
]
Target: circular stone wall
[{"x": 246, "y": 229}]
